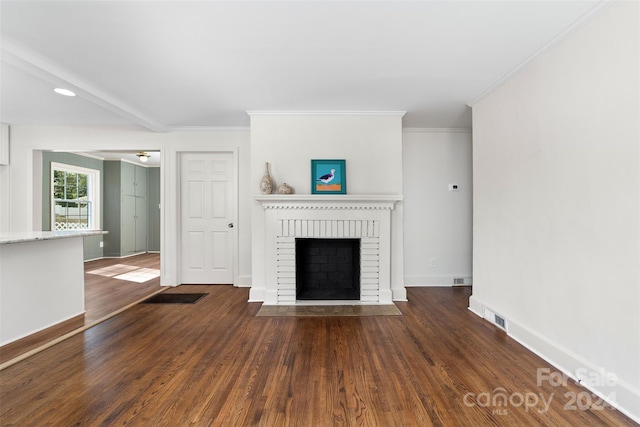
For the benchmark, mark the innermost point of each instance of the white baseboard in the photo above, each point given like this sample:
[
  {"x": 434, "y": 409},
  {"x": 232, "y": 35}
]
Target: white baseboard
[
  {"x": 256, "y": 294},
  {"x": 399, "y": 294},
  {"x": 437, "y": 280},
  {"x": 618, "y": 393},
  {"x": 476, "y": 306},
  {"x": 243, "y": 281}
]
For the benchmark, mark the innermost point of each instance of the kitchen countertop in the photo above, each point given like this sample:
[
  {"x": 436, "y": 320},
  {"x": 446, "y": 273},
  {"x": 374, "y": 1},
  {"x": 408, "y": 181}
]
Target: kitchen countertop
[{"x": 33, "y": 236}]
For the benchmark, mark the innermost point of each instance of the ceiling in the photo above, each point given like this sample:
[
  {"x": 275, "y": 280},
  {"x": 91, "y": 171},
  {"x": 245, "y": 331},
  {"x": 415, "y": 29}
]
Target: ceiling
[
  {"x": 171, "y": 65},
  {"x": 131, "y": 156}
]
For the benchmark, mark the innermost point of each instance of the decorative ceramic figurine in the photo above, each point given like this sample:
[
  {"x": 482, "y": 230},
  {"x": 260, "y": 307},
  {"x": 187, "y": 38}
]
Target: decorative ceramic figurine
[
  {"x": 266, "y": 184},
  {"x": 285, "y": 189}
]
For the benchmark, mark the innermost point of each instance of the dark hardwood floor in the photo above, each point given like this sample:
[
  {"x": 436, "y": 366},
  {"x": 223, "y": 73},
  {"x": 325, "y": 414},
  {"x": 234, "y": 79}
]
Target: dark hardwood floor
[
  {"x": 214, "y": 363},
  {"x": 104, "y": 295}
]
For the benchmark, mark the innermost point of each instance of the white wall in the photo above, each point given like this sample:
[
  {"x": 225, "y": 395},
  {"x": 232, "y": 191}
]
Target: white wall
[
  {"x": 23, "y": 197},
  {"x": 5, "y": 184},
  {"x": 424, "y": 165},
  {"x": 371, "y": 144},
  {"x": 556, "y": 204},
  {"x": 5, "y": 191},
  {"x": 30, "y": 306},
  {"x": 437, "y": 241}
]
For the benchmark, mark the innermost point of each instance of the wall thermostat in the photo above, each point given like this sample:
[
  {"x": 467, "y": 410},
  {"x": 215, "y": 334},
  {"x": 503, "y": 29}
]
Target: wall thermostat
[{"x": 453, "y": 187}]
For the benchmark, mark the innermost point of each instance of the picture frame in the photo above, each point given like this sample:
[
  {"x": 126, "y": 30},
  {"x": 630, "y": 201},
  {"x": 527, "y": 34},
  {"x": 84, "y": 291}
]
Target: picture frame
[{"x": 328, "y": 177}]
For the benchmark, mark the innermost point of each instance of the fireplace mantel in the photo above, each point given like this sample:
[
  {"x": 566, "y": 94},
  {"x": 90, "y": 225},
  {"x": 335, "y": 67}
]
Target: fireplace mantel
[
  {"x": 365, "y": 217},
  {"x": 324, "y": 201}
]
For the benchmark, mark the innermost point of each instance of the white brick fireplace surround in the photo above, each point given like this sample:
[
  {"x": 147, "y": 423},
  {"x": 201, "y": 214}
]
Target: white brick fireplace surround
[{"x": 367, "y": 218}]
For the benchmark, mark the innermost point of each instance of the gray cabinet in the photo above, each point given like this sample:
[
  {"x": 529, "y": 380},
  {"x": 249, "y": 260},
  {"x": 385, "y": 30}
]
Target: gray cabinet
[
  {"x": 153, "y": 218},
  {"x": 125, "y": 210}
]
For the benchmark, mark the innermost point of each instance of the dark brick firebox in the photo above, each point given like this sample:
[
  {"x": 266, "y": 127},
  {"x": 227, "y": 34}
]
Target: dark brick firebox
[{"x": 328, "y": 269}]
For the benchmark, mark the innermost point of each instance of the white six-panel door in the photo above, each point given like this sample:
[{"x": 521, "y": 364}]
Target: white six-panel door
[{"x": 207, "y": 214}]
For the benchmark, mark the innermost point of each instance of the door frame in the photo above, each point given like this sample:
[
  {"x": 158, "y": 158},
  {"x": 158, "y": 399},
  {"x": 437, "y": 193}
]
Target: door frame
[{"x": 234, "y": 201}]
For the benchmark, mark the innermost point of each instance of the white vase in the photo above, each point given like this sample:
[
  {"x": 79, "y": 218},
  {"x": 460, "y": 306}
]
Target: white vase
[{"x": 266, "y": 184}]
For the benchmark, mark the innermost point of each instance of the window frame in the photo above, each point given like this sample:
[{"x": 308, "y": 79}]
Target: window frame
[{"x": 93, "y": 192}]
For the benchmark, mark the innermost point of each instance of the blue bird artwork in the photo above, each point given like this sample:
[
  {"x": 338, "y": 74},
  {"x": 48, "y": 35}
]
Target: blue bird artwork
[{"x": 328, "y": 176}]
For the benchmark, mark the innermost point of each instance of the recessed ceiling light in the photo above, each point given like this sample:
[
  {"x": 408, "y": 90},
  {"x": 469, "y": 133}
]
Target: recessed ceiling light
[{"x": 65, "y": 92}]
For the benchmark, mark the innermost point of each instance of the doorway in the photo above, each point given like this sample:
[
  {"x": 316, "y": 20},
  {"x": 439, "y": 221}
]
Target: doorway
[{"x": 207, "y": 218}]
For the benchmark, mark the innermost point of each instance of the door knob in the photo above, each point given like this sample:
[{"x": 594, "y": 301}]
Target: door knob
[{"x": 230, "y": 225}]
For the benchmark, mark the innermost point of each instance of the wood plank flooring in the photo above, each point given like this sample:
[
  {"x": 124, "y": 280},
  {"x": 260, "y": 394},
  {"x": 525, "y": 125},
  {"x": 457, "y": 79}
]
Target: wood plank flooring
[
  {"x": 214, "y": 363},
  {"x": 103, "y": 296}
]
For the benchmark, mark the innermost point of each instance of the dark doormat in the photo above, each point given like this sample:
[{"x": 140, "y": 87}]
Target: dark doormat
[{"x": 173, "y": 299}]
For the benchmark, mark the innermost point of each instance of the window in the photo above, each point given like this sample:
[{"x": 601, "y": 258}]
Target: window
[{"x": 75, "y": 197}]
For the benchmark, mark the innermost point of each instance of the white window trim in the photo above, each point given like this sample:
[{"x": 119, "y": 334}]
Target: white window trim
[{"x": 93, "y": 189}]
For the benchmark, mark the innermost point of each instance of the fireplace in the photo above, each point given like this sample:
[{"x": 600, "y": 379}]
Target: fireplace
[
  {"x": 327, "y": 269},
  {"x": 293, "y": 220}
]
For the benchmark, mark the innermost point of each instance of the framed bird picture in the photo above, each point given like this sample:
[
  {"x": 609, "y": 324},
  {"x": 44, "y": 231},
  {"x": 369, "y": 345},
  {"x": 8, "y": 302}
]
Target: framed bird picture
[{"x": 328, "y": 177}]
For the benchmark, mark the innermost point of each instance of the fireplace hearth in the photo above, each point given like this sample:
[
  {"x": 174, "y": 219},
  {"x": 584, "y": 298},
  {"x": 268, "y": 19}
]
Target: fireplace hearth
[{"x": 327, "y": 269}]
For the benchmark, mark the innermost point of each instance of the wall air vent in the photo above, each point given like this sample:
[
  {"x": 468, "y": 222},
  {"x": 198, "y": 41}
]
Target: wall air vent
[
  {"x": 496, "y": 319},
  {"x": 500, "y": 321},
  {"x": 458, "y": 281}
]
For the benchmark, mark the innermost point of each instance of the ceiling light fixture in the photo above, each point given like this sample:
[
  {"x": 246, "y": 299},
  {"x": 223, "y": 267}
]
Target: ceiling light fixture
[
  {"x": 143, "y": 156},
  {"x": 65, "y": 92}
]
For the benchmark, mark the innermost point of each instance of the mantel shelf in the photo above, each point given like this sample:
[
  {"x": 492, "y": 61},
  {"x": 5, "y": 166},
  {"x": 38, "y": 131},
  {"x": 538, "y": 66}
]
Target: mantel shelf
[
  {"x": 329, "y": 197},
  {"x": 326, "y": 201}
]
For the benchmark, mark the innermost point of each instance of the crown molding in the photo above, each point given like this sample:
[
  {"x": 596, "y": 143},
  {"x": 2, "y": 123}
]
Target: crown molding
[
  {"x": 572, "y": 28},
  {"x": 41, "y": 67},
  {"x": 83, "y": 154},
  {"x": 437, "y": 130},
  {"x": 209, "y": 129},
  {"x": 324, "y": 113}
]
